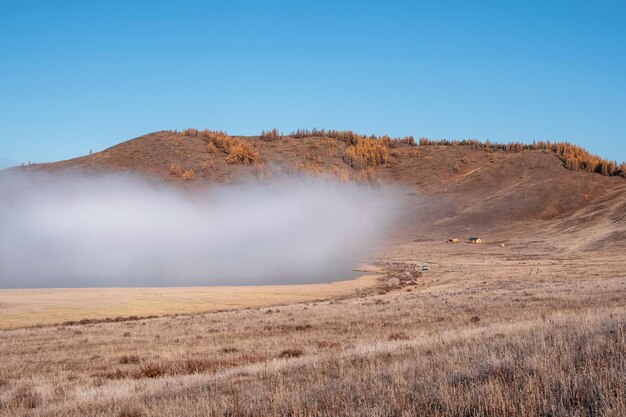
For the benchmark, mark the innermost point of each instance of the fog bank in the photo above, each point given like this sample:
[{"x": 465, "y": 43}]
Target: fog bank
[{"x": 67, "y": 230}]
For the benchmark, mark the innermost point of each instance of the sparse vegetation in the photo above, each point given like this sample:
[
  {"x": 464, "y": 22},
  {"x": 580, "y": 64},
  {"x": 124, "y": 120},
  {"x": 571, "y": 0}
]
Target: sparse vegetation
[
  {"x": 341, "y": 174},
  {"x": 176, "y": 171},
  {"x": 152, "y": 370},
  {"x": 213, "y": 135},
  {"x": 210, "y": 147},
  {"x": 240, "y": 151},
  {"x": 129, "y": 359},
  {"x": 414, "y": 153},
  {"x": 367, "y": 152},
  {"x": 190, "y": 132},
  {"x": 368, "y": 175},
  {"x": 270, "y": 135},
  {"x": 574, "y": 157},
  {"x": 25, "y": 396},
  {"x": 130, "y": 410},
  {"x": 189, "y": 175},
  {"x": 350, "y": 137},
  {"x": 363, "y": 151},
  {"x": 291, "y": 353},
  {"x": 307, "y": 167},
  {"x": 237, "y": 150},
  {"x": 476, "y": 344},
  {"x": 399, "y": 336}
]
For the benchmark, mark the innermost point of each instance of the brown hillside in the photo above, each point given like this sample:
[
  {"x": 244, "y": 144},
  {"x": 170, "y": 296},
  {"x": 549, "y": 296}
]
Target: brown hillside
[{"x": 451, "y": 190}]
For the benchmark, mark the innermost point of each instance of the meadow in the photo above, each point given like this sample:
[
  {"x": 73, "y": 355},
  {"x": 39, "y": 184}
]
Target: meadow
[{"x": 488, "y": 331}]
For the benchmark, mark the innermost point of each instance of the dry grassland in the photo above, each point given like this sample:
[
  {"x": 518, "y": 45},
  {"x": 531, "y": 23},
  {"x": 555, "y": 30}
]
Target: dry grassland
[
  {"x": 30, "y": 307},
  {"x": 489, "y": 331}
]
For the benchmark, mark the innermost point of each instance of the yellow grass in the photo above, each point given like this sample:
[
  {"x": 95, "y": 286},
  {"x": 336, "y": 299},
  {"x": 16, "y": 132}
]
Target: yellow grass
[{"x": 28, "y": 307}]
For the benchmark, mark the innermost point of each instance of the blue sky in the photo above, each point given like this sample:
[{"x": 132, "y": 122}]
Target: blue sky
[{"x": 86, "y": 75}]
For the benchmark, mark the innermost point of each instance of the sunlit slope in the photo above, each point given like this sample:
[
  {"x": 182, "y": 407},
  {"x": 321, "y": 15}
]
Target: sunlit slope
[{"x": 449, "y": 189}]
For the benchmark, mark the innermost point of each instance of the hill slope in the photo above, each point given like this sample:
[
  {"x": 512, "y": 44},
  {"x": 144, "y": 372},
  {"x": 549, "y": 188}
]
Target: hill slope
[{"x": 450, "y": 190}]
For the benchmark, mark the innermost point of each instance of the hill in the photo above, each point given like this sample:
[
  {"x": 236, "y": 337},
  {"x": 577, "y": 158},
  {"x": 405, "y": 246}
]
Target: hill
[{"x": 452, "y": 188}]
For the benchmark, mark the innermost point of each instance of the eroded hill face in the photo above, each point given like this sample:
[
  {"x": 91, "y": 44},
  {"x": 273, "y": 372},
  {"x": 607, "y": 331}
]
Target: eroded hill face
[{"x": 449, "y": 190}]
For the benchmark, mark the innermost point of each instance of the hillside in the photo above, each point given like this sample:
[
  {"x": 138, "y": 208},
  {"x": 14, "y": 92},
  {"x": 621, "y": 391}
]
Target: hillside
[{"x": 450, "y": 188}]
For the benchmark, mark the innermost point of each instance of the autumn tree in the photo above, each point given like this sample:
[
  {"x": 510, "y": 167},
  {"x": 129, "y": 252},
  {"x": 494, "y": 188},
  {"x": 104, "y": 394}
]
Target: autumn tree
[
  {"x": 176, "y": 171},
  {"x": 189, "y": 175},
  {"x": 270, "y": 135}
]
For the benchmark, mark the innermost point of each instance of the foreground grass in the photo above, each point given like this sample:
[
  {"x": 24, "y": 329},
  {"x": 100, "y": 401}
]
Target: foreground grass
[
  {"x": 499, "y": 341},
  {"x": 567, "y": 365},
  {"x": 563, "y": 365},
  {"x": 30, "y": 307}
]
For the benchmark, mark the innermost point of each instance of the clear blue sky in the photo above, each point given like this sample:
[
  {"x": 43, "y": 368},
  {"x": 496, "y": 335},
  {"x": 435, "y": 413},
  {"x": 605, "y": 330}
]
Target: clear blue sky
[{"x": 80, "y": 75}]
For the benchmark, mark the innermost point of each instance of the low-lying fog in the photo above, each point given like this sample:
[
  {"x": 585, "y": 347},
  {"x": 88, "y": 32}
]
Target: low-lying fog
[{"x": 119, "y": 230}]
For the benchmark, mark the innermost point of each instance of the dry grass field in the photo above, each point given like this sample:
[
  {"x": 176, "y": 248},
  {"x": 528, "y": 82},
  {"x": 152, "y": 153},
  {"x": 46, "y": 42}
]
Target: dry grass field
[
  {"x": 489, "y": 330},
  {"x": 30, "y": 307},
  {"x": 531, "y": 323}
]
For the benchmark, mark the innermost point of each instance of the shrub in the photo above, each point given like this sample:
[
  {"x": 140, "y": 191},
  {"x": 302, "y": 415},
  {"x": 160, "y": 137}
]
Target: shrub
[
  {"x": 349, "y": 136},
  {"x": 26, "y": 396},
  {"x": 241, "y": 152},
  {"x": 152, "y": 370},
  {"x": 573, "y": 157},
  {"x": 209, "y": 135},
  {"x": 325, "y": 344},
  {"x": 346, "y": 136},
  {"x": 210, "y": 147},
  {"x": 270, "y": 135},
  {"x": 237, "y": 150},
  {"x": 229, "y": 349},
  {"x": 366, "y": 153},
  {"x": 107, "y": 320},
  {"x": 189, "y": 175},
  {"x": 202, "y": 365},
  {"x": 189, "y": 366},
  {"x": 116, "y": 374},
  {"x": 176, "y": 171},
  {"x": 190, "y": 132},
  {"x": 128, "y": 359},
  {"x": 291, "y": 353}
]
